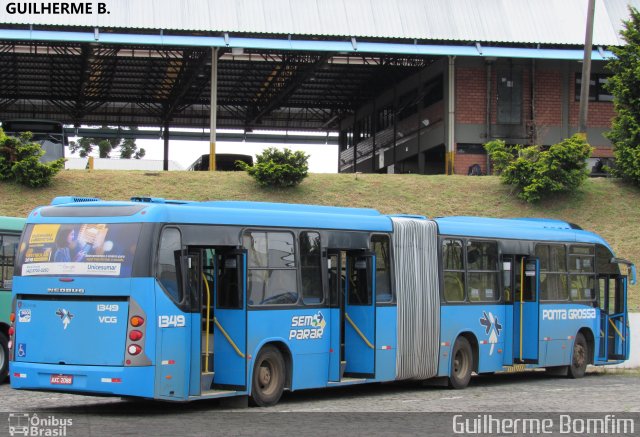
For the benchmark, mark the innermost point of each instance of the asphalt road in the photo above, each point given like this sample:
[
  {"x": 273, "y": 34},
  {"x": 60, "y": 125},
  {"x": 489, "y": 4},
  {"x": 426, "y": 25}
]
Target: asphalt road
[{"x": 380, "y": 409}]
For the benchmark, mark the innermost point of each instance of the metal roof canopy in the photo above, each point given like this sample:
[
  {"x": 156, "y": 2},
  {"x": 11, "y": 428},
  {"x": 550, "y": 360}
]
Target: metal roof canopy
[
  {"x": 58, "y": 75},
  {"x": 495, "y": 21},
  {"x": 264, "y": 83},
  {"x": 286, "y": 65}
]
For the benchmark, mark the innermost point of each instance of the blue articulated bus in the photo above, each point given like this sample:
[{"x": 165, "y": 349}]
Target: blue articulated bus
[{"x": 179, "y": 300}]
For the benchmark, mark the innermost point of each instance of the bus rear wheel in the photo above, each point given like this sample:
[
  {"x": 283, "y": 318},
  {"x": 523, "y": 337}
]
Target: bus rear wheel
[
  {"x": 579, "y": 357},
  {"x": 268, "y": 377},
  {"x": 4, "y": 357},
  {"x": 461, "y": 364}
]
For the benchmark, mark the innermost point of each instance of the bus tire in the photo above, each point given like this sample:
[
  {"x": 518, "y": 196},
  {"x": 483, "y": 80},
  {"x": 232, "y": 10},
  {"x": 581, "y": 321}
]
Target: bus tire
[
  {"x": 268, "y": 377},
  {"x": 579, "y": 357},
  {"x": 461, "y": 364},
  {"x": 4, "y": 357}
]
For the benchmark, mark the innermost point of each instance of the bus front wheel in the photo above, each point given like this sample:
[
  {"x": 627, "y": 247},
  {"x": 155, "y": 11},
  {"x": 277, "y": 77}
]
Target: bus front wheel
[
  {"x": 461, "y": 364},
  {"x": 4, "y": 357},
  {"x": 268, "y": 377},
  {"x": 579, "y": 357}
]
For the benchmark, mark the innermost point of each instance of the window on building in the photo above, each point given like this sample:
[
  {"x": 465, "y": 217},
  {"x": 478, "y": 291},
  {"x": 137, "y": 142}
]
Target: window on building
[
  {"x": 597, "y": 88},
  {"x": 380, "y": 245},
  {"x": 271, "y": 273},
  {"x": 408, "y": 104},
  {"x": 482, "y": 271},
  {"x": 453, "y": 264},
  {"x": 509, "y": 105},
  {"x": 311, "y": 267},
  {"x": 433, "y": 91}
]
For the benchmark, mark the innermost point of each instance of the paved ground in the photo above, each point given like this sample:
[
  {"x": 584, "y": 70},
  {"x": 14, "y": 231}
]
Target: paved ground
[{"x": 382, "y": 409}]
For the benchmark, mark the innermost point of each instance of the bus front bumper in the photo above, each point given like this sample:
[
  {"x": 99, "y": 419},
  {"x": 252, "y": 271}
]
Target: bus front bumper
[{"x": 99, "y": 380}]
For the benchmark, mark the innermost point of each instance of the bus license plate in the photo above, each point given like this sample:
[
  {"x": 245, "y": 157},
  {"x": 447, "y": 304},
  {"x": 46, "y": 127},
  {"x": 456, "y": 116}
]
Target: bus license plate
[{"x": 62, "y": 379}]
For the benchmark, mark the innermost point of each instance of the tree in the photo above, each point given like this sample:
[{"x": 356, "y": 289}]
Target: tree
[
  {"x": 128, "y": 148},
  {"x": 20, "y": 161},
  {"x": 278, "y": 168},
  {"x": 624, "y": 85},
  {"x": 538, "y": 173}
]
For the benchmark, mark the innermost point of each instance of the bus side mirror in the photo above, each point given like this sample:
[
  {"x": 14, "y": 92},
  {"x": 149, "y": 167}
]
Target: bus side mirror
[{"x": 631, "y": 266}]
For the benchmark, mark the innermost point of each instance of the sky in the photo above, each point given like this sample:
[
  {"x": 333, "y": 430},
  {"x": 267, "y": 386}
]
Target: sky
[{"x": 323, "y": 157}]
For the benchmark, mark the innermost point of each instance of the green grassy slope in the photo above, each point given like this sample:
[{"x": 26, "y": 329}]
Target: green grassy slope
[{"x": 605, "y": 206}]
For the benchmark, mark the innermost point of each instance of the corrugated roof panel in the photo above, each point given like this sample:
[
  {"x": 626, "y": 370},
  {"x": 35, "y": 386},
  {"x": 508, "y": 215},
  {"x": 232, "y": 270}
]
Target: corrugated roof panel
[
  {"x": 305, "y": 17},
  {"x": 278, "y": 16},
  {"x": 413, "y": 17},
  {"x": 251, "y": 16},
  {"x": 333, "y": 17},
  {"x": 386, "y": 18},
  {"x": 603, "y": 30},
  {"x": 520, "y": 21},
  {"x": 223, "y": 16},
  {"x": 360, "y": 18},
  {"x": 618, "y": 11}
]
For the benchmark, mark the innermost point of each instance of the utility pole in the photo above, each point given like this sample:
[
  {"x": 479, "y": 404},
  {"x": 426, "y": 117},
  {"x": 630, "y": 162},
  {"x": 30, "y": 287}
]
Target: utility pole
[
  {"x": 586, "y": 70},
  {"x": 213, "y": 112}
]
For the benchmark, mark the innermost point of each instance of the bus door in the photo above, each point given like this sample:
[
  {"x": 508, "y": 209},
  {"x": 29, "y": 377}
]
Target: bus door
[
  {"x": 176, "y": 350},
  {"x": 526, "y": 311},
  {"x": 360, "y": 315},
  {"x": 229, "y": 319},
  {"x": 336, "y": 274},
  {"x": 613, "y": 318}
]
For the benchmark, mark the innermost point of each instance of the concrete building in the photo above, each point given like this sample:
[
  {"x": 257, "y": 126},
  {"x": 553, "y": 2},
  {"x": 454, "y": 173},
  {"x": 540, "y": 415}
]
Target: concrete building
[{"x": 410, "y": 85}]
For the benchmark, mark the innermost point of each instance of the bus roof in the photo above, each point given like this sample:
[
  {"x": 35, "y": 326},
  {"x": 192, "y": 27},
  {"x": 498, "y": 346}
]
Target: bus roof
[
  {"x": 11, "y": 224},
  {"x": 517, "y": 228},
  {"x": 245, "y": 213},
  {"x": 215, "y": 212}
]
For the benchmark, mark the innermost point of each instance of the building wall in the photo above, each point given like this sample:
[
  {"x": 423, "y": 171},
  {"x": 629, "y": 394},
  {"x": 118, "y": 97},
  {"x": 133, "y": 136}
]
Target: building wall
[
  {"x": 551, "y": 116},
  {"x": 548, "y": 113}
]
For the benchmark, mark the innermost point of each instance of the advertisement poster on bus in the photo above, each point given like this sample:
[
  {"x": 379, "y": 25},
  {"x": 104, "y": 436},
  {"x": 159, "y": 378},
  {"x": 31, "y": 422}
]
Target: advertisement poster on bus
[{"x": 79, "y": 249}]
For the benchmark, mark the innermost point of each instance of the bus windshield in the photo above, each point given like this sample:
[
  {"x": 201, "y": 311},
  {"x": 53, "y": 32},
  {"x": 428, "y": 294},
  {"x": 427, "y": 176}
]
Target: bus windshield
[{"x": 78, "y": 249}]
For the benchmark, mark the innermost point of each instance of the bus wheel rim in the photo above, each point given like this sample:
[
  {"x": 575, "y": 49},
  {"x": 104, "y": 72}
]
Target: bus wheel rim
[
  {"x": 265, "y": 376},
  {"x": 578, "y": 356}
]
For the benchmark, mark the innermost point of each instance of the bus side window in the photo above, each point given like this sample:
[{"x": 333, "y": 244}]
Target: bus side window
[
  {"x": 8, "y": 247},
  {"x": 311, "y": 267},
  {"x": 453, "y": 264},
  {"x": 166, "y": 272},
  {"x": 482, "y": 271},
  {"x": 271, "y": 274},
  {"x": 229, "y": 287},
  {"x": 553, "y": 272},
  {"x": 359, "y": 284},
  {"x": 380, "y": 245},
  {"x": 507, "y": 272}
]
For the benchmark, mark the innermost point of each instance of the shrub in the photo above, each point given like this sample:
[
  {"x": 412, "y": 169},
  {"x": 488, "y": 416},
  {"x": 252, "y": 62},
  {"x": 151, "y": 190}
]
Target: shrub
[
  {"x": 536, "y": 173},
  {"x": 624, "y": 85},
  {"x": 20, "y": 161},
  {"x": 278, "y": 168}
]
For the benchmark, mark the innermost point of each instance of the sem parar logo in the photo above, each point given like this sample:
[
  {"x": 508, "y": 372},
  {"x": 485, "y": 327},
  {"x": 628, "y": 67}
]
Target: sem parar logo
[{"x": 307, "y": 327}]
